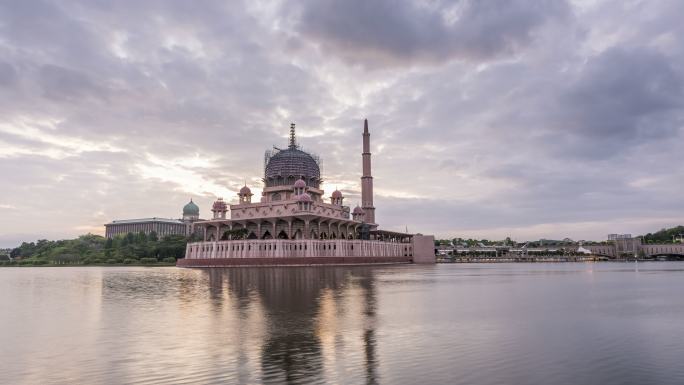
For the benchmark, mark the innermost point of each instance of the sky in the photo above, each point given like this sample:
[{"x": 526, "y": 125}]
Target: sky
[{"x": 522, "y": 118}]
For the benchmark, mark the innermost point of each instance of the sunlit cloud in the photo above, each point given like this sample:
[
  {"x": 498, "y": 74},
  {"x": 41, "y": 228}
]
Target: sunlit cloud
[
  {"x": 185, "y": 173},
  {"x": 44, "y": 131}
]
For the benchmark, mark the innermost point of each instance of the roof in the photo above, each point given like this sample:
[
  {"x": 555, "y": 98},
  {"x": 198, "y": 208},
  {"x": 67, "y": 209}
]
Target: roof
[
  {"x": 191, "y": 208},
  {"x": 219, "y": 205},
  {"x": 292, "y": 162},
  {"x": 300, "y": 183},
  {"x": 145, "y": 220},
  {"x": 304, "y": 198}
]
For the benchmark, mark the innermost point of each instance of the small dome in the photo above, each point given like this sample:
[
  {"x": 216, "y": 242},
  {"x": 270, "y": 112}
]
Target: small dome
[
  {"x": 245, "y": 191},
  {"x": 219, "y": 205},
  {"x": 304, "y": 198},
  {"x": 191, "y": 208},
  {"x": 358, "y": 210},
  {"x": 337, "y": 194},
  {"x": 300, "y": 183}
]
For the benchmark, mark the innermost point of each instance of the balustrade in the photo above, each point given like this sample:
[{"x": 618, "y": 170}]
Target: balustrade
[{"x": 282, "y": 248}]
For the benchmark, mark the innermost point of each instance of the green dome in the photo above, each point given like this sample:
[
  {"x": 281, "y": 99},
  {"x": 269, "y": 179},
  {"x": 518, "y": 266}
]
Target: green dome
[{"x": 191, "y": 208}]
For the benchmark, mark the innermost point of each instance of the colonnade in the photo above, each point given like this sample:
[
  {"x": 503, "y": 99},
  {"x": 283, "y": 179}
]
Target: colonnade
[
  {"x": 283, "y": 248},
  {"x": 161, "y": 228},
  {"x": 289, "y": 228}
]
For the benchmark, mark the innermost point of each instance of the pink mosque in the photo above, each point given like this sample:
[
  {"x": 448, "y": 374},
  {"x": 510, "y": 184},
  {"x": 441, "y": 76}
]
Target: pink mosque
[{"x": 293, "y": 225}]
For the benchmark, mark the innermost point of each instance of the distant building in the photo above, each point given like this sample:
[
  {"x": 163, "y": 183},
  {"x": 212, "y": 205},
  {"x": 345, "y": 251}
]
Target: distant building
[
  {"x": 614, "y": 237},
  {"x": 626, "y": 246},
  {"x": 160, "y": 226}
]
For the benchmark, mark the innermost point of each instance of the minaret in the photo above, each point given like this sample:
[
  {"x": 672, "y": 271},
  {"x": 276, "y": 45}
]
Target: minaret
[{"x": 366, "y": 178}]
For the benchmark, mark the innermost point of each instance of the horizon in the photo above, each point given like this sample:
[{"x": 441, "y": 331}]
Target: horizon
[{"x": 524, "y": 120}]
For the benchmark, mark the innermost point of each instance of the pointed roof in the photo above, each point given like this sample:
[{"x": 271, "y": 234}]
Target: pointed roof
[{"x": 245, "y": 190}]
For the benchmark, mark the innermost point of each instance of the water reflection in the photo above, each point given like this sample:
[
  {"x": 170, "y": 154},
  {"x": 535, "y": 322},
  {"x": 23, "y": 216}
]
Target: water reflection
[
  {"x": 369, "y": 331},
  {"x": 457, "y": 324},
  {"x": 301, "y": 307}
]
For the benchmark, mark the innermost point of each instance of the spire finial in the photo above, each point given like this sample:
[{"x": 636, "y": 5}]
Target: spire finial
[
  {"x": 293, "y": 140},
  {"x": 365, "y": 126}
]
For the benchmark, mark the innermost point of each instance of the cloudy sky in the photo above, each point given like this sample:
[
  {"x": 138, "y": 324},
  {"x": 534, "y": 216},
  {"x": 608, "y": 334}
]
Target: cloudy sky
[{"x": 522, "y": 118}]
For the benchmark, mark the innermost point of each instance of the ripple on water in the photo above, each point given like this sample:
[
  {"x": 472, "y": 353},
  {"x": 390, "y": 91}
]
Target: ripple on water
[{"x": 458, "y": 324}]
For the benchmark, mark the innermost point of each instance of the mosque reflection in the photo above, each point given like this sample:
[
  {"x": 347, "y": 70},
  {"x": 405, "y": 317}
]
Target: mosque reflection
[{"x": 309, "y": 315}]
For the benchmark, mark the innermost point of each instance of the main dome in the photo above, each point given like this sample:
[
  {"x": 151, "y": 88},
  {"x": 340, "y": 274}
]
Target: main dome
[
  {"x": 292, "y": 162},
  {"x": 283, "y": 167}
]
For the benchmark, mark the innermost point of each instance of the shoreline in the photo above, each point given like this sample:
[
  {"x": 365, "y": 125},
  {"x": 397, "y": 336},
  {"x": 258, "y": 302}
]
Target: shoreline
[
  {"x": 341, "y": 264},
  {"x": 94, "y": 265}
]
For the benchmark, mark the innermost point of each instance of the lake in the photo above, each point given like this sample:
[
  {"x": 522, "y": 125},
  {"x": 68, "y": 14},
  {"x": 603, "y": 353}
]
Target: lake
[{"x": 565, "y": 323}]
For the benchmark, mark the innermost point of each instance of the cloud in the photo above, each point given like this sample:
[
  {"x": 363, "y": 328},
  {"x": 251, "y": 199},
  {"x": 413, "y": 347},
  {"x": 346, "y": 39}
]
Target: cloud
[
  {"x": 624, "y": 96},
  {"x": 495, "y": 119},
  {"x": 394, "y": 33}
]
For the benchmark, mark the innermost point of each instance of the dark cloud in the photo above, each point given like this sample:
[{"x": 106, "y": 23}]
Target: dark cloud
[
  {"x": 8, "y": 75},
  {"x": 61, "y": 83},
  {"x": 624, "y": 96},
  {"x": 393, "y": 33}
]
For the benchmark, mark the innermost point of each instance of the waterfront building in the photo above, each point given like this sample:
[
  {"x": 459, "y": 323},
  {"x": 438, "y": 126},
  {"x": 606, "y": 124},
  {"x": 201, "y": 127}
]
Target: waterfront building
[
  {"x": 160, "y": 226},
  {"x": 624, "y": 246},
  {"x": 292, "y": 223}
]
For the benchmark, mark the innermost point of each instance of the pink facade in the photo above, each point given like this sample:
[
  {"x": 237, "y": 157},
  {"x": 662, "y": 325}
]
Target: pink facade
[{"x": 280, "y": 248}]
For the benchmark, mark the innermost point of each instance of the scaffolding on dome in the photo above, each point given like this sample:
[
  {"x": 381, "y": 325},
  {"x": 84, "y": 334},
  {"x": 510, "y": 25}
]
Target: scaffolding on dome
[
  {"x": 292, "y": 160},
  {"x": 281, "y": 165}
]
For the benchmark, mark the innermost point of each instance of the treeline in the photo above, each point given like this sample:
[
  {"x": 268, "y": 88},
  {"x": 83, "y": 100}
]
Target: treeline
[
  {"x": 671, "y": 235},
  {"x": 474, "y": 242},
  {"x": 91, "y": 249},
  {"x": 465, "y": 242}
]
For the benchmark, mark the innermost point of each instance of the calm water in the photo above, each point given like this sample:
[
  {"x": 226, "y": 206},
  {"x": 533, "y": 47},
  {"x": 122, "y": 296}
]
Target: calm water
[{"x": 457, "y": 324}]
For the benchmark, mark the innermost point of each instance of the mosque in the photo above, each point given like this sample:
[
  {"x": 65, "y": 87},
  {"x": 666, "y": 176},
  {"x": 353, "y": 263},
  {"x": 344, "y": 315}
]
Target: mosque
[{"x": 292, "y": 224}]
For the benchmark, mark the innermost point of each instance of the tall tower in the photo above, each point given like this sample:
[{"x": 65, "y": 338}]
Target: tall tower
[{"x": 366, "y": 178}]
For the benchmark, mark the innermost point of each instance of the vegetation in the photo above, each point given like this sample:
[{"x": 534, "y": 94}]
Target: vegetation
[
  {"x": 92, "y": 249},
  {"x": 671, "y": 235},
  {"x": 466, "y": 242}
]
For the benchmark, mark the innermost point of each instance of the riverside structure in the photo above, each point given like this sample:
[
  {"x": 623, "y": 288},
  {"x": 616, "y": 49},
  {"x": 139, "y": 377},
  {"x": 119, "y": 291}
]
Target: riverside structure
[{"x": 293, "y": 225}]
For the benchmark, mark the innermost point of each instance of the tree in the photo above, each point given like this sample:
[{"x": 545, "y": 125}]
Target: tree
[
  {"x": 129, "y": 239},
  {"x": 141, "y": 238}
]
